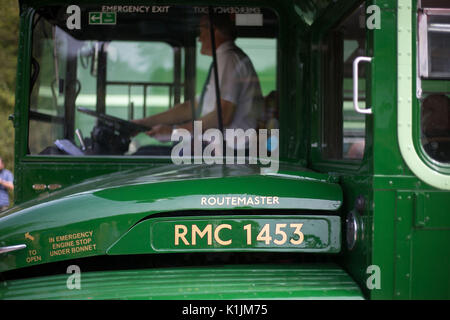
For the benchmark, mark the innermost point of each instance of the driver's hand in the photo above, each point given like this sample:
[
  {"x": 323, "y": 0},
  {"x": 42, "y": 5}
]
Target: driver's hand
[
  {"x": 161, "y": 132},
  {"x": 137, "y": 121}
]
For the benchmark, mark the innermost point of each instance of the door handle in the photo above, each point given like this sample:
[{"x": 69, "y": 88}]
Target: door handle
[{"x": 355, "y": 85}]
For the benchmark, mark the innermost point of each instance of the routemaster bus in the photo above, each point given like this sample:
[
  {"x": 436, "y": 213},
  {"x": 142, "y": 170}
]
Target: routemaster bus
[{"x": 340, "y": 188}]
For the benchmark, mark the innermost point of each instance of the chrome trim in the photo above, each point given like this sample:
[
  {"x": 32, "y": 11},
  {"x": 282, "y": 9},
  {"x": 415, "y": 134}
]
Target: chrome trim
[
  {"x": 12, "y": 248},
  {"x": 352, "y": 230},
  {"x": 437, "y": 11},
  {"x": 80, "y": 139},
  {"x": 355, "y": 85},
  {"x": 422, "y": 49}
]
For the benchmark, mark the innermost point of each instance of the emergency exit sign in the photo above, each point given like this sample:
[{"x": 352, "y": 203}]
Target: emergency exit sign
[{"x": 102, "y": 18}]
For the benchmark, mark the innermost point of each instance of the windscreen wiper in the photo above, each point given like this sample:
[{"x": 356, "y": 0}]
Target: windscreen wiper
[{"x": 35, "y": 74}]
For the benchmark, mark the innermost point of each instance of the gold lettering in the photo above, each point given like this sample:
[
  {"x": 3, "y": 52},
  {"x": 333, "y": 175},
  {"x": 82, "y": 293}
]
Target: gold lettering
[
  {"x": 196, "y": 230},
  {"x": 179, "y": 235},
  {"x": 216, "y": 235},
  {"x": 297, "y": 231}
]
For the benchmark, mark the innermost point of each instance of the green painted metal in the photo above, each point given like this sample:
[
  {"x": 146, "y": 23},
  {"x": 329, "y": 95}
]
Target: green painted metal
[
  {"x": 378, "y": 177},
  {"x": 103, "y": 209},
  {"x": 238, "y": 233},
  {"x": 419, "y": 274},
  {"x": 107, "y": 203},
  {"x": 323, "y": 281}
]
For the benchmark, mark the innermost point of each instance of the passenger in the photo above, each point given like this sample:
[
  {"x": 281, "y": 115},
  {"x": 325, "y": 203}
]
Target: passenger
[
  {"x": 6, "y": 183},
  {"x": 356, "y": 150},
  {"x": 240, "y": 90}
]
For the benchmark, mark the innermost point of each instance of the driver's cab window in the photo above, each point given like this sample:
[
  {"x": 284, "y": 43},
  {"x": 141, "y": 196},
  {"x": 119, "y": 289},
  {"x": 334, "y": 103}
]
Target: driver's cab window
[
  {"x": 139, "y": 81},
  {"x": 92, "y": 86},
  {"x": 47, "y": 99}
]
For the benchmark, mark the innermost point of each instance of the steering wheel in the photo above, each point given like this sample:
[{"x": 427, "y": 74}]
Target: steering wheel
[{"x": 123, "y": 126}]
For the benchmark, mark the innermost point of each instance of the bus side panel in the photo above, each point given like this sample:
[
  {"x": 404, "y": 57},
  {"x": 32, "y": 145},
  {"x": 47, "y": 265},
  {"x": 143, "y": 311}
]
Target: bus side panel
[
  {"x": 384, "y": 95},
  {"x": 422, "y": 252},
  {"x": 383, "y": 246},
  {"x": 430, "y": 264},
  {"x": 356, "y": 260}
]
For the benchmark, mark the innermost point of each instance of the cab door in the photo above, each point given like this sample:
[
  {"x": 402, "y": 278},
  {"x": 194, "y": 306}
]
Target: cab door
[
  {"x": 369, "y": 128},
  {"x": 344, "y": 57}
]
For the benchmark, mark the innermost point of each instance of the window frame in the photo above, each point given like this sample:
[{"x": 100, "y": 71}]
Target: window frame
[
  {"x": 319, "y": 160},
  {"x": 27, "y": 157},
  {"x": 424, "y": 62},
  {"x": 430, "y": 171},
  {"x": 418, "y": 28}
]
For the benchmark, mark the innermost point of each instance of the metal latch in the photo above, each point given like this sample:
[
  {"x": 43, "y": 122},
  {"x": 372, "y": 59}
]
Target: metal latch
[{"x": 355, "y": 85}]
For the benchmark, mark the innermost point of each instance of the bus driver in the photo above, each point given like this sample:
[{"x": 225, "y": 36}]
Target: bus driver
[{"x": 240, "y": 90}]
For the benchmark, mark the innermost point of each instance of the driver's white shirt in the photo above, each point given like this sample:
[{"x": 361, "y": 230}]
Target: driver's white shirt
[{"x": 239, "y": 85}]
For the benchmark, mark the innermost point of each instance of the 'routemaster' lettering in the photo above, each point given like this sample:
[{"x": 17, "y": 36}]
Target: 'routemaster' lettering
[{"x": 239, "y": 201}]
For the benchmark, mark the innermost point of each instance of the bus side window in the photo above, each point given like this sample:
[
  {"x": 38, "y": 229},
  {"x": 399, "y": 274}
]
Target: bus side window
[
  {"x": 435, "y": 123},
  {"x": 434, "y": 74}
]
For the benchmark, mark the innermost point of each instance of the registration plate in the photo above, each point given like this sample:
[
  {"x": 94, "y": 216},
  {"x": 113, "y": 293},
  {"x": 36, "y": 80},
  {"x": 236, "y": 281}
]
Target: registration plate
[
  {"x": 298, "y": 233},
  {"x": 314, "y": 234}
]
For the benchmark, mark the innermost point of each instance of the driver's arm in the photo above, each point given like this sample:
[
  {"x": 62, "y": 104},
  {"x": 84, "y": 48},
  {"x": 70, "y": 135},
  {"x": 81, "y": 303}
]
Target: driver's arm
[
  {"x": 163, "y": 132},
  {"x": 178, "y": 114},
  {"x": 209, "y": 120}
]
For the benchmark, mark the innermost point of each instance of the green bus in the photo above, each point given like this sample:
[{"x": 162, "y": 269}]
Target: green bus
[{"x": 342, "y": 190}]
